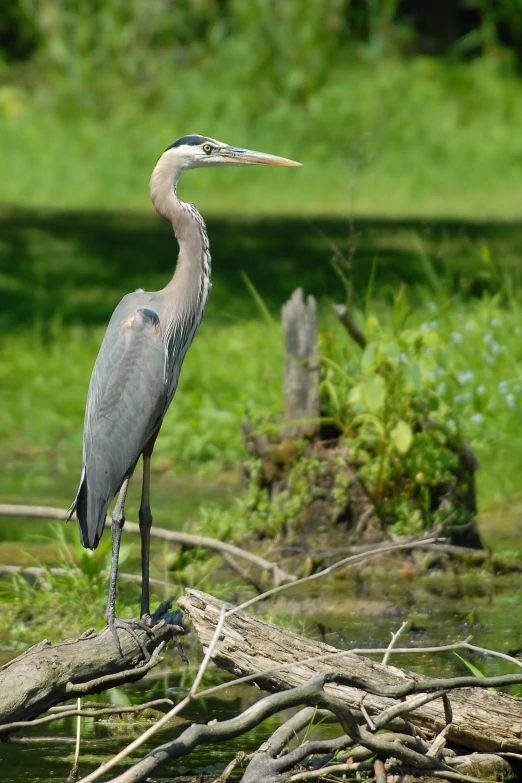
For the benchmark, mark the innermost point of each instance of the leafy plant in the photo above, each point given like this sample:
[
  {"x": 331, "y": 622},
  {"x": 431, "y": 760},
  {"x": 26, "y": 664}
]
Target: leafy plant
[{"x": 401, "y": 435}]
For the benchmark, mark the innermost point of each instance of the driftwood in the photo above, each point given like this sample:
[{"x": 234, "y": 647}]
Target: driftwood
[
  {"x": 481, "y": 720},
  {"x": 367, "y": 701},
  {"x": 48, "y": 674}
]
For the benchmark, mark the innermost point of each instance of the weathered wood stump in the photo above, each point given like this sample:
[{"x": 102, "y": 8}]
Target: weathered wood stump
[{"x": 301, "y": 367}]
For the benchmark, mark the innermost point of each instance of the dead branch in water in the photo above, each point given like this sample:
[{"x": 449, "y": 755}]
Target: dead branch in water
[
  {"x": 39, "y": 574},
  {"x": 174, "y": 537},
  {"x": 405, "y": 733}
]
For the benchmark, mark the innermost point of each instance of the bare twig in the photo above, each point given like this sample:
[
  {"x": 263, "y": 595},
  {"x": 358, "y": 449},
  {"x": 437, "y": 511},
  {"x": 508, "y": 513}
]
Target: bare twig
[
  {"x": 73, "y": 712},
  {"x": 310, "y": 693},
  {"x": 208, "y": 655},
  {"x": 418, "y": 544},
  {"x": 104, "y": 768},
  {"x": 238, "y": 759},
  {"x": 439, "y": 742},
  {"x": 393, "y": 641},
  {"x": 74, "y": 771},
  {"x": 350, "y": 324},
  {"x": 332, "y": 769},
  {"x": 241, "y": 572},
  {"x": 115, "y": 679},
  {"x": 366, "y": 716}
]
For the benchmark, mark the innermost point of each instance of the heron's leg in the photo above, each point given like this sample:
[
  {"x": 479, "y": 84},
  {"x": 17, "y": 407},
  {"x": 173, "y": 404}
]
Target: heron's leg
[
  {"x": 118, "y": 520},
  {"x": 145, "y": 518}
]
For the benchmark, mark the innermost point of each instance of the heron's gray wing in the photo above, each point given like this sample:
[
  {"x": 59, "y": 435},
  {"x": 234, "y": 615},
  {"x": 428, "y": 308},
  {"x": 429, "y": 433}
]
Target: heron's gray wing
[{"x": 126, "y": 402}]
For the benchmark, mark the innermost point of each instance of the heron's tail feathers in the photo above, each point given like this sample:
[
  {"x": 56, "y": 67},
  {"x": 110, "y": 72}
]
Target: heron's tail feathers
[{"x": 91, "y": 513}]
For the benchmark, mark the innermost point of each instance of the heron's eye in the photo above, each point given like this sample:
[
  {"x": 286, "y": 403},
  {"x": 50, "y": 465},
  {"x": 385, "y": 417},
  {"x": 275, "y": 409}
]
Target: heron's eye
[{"x": 207, "y": 148}]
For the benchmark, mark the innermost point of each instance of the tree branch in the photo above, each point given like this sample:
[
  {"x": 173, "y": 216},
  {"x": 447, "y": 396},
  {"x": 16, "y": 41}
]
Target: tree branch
[{"x": 174, "y": 537}]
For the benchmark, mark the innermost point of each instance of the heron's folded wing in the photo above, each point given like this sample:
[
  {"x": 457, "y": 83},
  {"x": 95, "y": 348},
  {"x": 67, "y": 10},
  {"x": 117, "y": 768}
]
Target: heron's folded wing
[{"x": 126, "y": 402}]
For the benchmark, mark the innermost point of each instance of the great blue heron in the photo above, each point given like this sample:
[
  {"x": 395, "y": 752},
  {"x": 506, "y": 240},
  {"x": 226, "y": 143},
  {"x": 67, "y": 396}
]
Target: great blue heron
[{"x": 139, "y": 362}]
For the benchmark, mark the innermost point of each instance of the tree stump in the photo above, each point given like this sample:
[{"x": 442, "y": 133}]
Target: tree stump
[{"x": 301, "y": 369}]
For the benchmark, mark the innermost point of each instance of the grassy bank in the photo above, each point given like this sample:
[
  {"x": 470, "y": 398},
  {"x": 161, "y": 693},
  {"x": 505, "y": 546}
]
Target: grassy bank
[{"x": 419, "y": 137}]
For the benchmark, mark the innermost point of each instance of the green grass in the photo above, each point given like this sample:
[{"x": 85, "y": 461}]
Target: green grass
[{"x": 418, "y": 137}]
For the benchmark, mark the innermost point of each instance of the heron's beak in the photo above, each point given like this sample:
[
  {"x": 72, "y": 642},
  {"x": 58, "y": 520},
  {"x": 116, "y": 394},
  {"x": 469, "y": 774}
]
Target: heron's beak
[{"x": 236, "y": 157}]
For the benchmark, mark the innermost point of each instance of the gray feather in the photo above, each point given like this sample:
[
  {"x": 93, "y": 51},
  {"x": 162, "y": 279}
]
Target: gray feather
[{"x": 127, "y": 399}]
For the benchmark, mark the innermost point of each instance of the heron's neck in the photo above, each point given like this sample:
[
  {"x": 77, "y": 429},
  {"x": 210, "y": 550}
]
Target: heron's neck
[{"x": 188, "y": 290}]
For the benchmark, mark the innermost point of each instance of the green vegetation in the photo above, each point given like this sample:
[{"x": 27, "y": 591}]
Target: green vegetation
[
  {"x": 71, "y": 273},
  {"x": 358, "y": 91}
]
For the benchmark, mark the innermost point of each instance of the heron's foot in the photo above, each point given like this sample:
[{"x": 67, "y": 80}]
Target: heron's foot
[
  {"x": 115, "y": 624},
  {"x": 147, "y": 620},
  {"x": 172, "y": 617},
  {"x": 166, "y": 612}
]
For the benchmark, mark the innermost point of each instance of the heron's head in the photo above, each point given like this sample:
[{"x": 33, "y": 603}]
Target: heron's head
[{"x": 195, "y": 151}]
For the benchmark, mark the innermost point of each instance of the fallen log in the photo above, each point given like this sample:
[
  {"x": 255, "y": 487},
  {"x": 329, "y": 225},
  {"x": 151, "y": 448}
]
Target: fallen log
[
  {"x": 48, "y": 674},
  {"x": 481, "y": 720}
]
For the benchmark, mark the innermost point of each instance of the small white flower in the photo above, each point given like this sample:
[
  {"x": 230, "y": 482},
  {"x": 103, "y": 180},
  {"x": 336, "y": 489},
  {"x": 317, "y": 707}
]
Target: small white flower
[
  {"x": 469, "y": 326},
  {"x": 465, "y": 377},
  {"x": 481, "y": 390},
  {"x": 466, "y": 397},
  {"x": 503, "y": 387},
  {"x": 434, "y": 325},
  {"x": 477, "y": 418},
  {"x": 457, "y": 399},
  {"x": 516, "y": 330},
  {"x": 488, "y": 338},
  {"x": 442, "y": 388},
  {"x": 511, "y": 401},
  {"x": 456, "y": 337},
  {"x": 494, "y": 322}
]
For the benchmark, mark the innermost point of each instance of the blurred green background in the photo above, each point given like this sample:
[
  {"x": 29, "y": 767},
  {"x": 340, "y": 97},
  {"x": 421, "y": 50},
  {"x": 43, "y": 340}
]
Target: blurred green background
[
  {"x": 396, "y": 108},
  {"x": 406, "y": 116}
]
